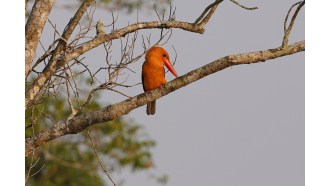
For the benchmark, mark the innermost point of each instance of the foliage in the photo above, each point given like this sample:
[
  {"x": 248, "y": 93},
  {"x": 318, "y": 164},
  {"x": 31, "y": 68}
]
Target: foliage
[{"x": 71, "y": 160}]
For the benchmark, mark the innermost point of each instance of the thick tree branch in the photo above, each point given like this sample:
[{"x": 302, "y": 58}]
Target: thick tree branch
[
  {"x": 56, "y": 62},
  {"x": 81, "y": 122},
  {"x": 99, "y": 39},
  {"x": 33, "y": 29}
]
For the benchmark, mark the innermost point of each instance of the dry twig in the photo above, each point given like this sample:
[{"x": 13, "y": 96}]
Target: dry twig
[
  {"x": 242, "y": 6},
  {"x": 288, "y": 30},
  {"x": 60, "y": 58},
  {"x": 81, "y": 122},
  {"x": 99, "y": 160}
]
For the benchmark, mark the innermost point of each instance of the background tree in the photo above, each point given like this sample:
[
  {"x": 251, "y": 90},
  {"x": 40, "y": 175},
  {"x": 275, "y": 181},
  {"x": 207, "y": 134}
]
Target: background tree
[
  {"x": 119, "y": 142},
  {"x": 62, "y": 67}
]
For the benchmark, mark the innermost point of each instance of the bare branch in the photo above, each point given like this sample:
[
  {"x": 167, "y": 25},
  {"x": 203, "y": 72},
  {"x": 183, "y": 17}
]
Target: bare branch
[
  {"x": 81, "y": 122},
  {"x": 99, "y": 160},
  {"x": 46, "y": 54},
  {"x": 129, "y": 29},
  {"x": 33, "y": 29},
  {"x": 155, "y": 9},
  {"x": 32, "y": 164},
  {"x": 171, "y": 15},
  {"x": 209, "y": 10},
  {"x": 288, "y": 30},
  {"x": 33, "y": 122},
  {"x": 119, "y": 92},
  {"x": 242, "y": 6},
  {"x": 38, "y": 170},
  {"x": 73, "y": 110},
  {"x": 56, "y": 62}
]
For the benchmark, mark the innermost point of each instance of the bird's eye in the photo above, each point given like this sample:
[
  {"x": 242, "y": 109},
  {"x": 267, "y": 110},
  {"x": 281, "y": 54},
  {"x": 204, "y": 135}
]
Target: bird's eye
[{"x": 164, "y": 55}]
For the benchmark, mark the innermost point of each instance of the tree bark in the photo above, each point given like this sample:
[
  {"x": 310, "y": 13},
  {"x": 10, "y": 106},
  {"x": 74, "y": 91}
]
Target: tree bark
[
  {"x": 55, "y": 63},
  {"x": 33, "y": 29},
  {"x": 81, "y": 122}
]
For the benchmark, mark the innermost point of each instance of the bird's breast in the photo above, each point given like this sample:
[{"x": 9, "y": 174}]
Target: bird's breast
[{"x": 153, "y": 76}]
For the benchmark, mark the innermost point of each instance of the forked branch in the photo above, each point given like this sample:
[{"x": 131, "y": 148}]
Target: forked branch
[
  {"x": 81, "y": 122},
  {"x": 287, "y": 31},
  {"x": 207, "y": 13},
  {"x": 33, "y": 29},
  {"x": 57, "y": 61}
]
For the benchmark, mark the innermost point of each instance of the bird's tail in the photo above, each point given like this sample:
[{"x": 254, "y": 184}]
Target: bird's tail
[{"x": 151, "y": 107}]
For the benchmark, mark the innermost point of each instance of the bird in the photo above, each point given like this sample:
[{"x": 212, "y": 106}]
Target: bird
[{"x": 153, "y": 72}]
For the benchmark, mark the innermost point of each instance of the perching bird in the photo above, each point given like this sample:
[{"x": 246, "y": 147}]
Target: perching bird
[{"x": 153, "y": 72}]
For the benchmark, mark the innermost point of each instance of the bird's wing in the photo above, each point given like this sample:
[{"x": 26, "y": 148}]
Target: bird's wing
[{"x": 142, "y": 77}]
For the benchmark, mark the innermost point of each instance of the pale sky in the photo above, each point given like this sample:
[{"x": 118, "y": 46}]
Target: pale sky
[{"x": 241, "y": 126}]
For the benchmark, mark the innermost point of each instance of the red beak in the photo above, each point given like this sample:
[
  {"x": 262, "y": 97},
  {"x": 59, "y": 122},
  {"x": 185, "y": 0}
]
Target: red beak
[{"x": 170, "y": 67}]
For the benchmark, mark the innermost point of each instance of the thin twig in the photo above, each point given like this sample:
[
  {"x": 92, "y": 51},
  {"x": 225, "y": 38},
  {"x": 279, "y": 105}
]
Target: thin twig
[
  {"x": 242, "y": 6},
  {"x": 30, "y": 167},
  {"x": 287, "y": 15},
  {"x": 163, "y": 37},
  {"x": 287, "y": 32},
  {"x": 54, "y": 27},
  {"x": 86, "y": 67},
  {"x": 207, "y": 10},
  {"x": 38, "y": 170},
  {"x": 73, "y": 110},
  {"x": 171, "y": 15},
  {"x": 121, "y": 93},
  {"x": 61, "y": 55},
  {"x": 75, "y": 89},
  {"x": 98, "y": 159},
  {"x": 155, "y": 8}
]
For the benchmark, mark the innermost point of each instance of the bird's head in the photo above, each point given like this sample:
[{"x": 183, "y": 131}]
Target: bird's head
[{"x": 159, "y": 56}]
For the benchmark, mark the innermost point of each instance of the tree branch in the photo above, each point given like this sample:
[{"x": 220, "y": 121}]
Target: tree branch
[
  {"x": 288, "y": 30},
  {"x": 33, "y": 29},
  {"x": 207, "y": 13},
  {"x": 99, "y": 160},
  {"x": 81, "y": 122},
  {"x": 242, "y": 6},
  {"x": 56, "y": 62},
  {"x": 85, "y": 47}
]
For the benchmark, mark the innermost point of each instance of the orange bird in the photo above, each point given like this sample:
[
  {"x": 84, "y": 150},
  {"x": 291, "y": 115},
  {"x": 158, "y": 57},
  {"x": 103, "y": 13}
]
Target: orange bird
[{"x": 153, "y": 72}]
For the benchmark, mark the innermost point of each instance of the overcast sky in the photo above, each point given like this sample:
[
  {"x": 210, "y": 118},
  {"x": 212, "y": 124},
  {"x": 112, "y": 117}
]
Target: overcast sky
[{"x": 241, "y": 126}]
